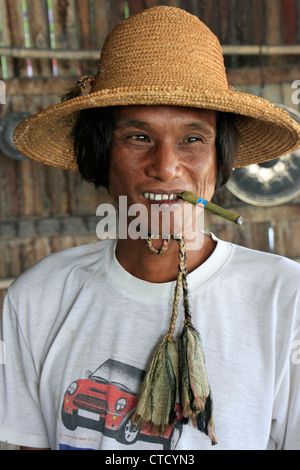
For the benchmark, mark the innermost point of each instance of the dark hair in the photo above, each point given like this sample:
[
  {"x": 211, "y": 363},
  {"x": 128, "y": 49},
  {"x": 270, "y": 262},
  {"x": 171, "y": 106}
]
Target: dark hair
[
  {"x": 226, "y": 148},
  {"x": 92, "y": 135}
]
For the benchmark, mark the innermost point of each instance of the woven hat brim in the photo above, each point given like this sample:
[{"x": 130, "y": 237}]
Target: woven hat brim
[{"x": 266, "y": 132}]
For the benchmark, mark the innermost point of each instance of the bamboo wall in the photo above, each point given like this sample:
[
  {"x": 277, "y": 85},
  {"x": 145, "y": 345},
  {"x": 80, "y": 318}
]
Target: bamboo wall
[{"x": 46, "y": 44}]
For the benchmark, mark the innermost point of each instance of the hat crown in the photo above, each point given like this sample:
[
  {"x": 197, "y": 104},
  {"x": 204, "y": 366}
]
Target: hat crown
[
  {"x": 159, "y": 47},
  {"x": 162, "y": 56}
]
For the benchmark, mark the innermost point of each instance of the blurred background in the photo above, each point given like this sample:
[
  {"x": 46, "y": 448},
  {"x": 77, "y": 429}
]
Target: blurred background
[{"x": 45, "y": 45}]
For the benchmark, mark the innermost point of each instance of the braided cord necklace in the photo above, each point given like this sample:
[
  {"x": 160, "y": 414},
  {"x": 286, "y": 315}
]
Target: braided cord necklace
[{"x": 177, "y": 368}]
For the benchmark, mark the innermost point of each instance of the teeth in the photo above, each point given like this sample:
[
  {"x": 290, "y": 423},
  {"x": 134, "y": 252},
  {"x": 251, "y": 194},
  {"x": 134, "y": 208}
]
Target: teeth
[{"x": 160, "y": 197}]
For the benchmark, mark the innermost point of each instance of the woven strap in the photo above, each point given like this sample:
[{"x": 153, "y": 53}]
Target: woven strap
[
  {"x": 168, "y": 367},
  {"x": 180, "y": 282},
  {"x": 181, "y": 278},
  {"x": 153, "y": 250}
]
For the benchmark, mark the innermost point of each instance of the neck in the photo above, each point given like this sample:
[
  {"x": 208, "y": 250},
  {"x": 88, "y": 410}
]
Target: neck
[{"x": 136, "y": 258}]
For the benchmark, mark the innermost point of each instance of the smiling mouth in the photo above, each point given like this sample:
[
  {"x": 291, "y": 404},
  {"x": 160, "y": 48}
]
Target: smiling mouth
[{"x": 160, "y": 197}]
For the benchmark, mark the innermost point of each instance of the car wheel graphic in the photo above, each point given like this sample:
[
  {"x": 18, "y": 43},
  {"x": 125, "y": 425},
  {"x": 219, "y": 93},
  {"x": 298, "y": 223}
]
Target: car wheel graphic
[
  {"x": 171, "y": 443},
  {"x": 128, "y": 434},
  {"x": 70, "y": 421}
]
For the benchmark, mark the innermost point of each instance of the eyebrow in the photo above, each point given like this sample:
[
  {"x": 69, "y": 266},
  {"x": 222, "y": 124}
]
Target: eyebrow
[
  {"x": 131, "y": 123},
  {"x": 201, "y": 126}
]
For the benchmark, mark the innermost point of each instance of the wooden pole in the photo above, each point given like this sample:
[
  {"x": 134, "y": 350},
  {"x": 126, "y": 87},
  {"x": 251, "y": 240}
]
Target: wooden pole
[{"x": 79, "y": 54}]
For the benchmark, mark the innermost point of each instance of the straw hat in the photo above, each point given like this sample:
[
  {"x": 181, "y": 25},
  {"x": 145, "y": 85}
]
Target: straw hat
[{"x": 162, "y": 56}]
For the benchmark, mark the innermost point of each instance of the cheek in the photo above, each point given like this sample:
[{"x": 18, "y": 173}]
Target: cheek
[
  {"x": 126, "y": 164},
  {"x": 121, "y": 174},
  {"x": 113, "y": 176},
  {"x": 206, "y": 175}
]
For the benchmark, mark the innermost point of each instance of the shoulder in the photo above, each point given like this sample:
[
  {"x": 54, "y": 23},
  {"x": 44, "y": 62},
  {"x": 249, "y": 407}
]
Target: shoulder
[
  {"x": 255, "y": 257},
  {"x": 266, "y": 268},
  {"x": 57, "y": 267}
]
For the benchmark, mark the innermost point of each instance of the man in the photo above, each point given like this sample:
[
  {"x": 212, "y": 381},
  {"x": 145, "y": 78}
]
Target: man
[{"x": 160, "y": 120}]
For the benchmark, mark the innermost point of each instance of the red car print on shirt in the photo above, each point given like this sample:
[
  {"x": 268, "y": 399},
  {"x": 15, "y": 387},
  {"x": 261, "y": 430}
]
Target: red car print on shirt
[{"x": 106, "y": 400}]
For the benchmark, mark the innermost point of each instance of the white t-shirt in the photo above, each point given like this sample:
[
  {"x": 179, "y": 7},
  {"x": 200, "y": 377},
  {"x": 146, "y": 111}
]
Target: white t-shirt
[{"x": 80, "y": 311}]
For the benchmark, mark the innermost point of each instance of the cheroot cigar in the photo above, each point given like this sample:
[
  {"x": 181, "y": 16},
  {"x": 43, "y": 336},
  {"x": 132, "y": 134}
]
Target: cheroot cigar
[{"x": 211, "y": 207}]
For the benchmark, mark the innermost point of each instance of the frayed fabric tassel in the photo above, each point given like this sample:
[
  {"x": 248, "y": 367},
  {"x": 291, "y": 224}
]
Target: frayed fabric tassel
[
  {"x": 195, "y": 391},
  {"x": 172, "y": 372},
  {"x": 157, "y": 399},
  {"x": 196, "y": 399},
  {"x": 205, "y": 421}
]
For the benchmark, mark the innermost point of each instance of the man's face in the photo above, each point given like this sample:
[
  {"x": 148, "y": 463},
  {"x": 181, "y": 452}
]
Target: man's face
[{"x": 159, "y": 151}]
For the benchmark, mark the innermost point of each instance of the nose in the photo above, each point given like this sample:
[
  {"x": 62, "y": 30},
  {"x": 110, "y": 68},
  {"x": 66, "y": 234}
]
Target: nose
[{"x": 164, "y": 163}]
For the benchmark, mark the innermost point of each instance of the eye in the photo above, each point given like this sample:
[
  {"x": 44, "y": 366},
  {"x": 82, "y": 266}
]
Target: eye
[
  {"x": 139, "y": 138},
  {"x": 190, "y": 140}
]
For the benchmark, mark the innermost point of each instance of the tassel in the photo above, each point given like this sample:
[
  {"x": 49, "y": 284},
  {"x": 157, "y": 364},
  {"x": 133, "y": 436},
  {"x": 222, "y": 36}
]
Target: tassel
[
  {"x": 156, "y": 404},
  {"x": 205, "y": 421},
  {"x": 157, "y": 399},
  {"x": 77, "y": 89},
  {"x": 194, "y": 383},
  {"x": 195, "y": 391}
]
